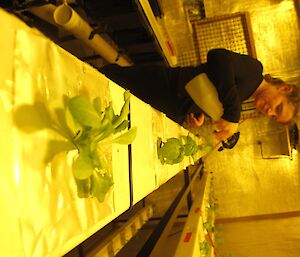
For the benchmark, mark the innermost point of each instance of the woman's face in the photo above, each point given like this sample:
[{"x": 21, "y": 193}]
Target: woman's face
[{"x": 274, "y": 102}]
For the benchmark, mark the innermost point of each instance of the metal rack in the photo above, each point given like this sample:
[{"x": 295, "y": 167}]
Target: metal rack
[{"x": 232, "y": 31}]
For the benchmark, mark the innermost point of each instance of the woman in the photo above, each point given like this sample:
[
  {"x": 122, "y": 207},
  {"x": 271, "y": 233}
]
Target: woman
[
  {"x": 236, "y": 77},
  {"x": 277, "y": 99}
]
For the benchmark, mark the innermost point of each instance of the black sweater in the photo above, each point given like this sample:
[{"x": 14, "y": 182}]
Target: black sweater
[{"x": 234, "y": 75}]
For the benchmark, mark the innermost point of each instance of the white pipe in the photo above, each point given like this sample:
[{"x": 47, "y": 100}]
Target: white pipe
[
  {"x": 45, "y": 12},
  {"x": 66, "y": 17}
]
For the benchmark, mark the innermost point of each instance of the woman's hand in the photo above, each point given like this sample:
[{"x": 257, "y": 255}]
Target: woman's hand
[
  {"x": 192, "y": 121},
  {"x": 225, "y": 129}
]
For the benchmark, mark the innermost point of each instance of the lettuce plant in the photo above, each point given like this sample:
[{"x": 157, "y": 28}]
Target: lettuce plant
[
  {"x": 84, "y": 126},
  {"x": 174, "y": 149}
]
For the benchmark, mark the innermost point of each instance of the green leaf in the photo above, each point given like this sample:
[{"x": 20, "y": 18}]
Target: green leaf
[
  {"x": 171, "y": 150},
  {"x": 178, "y": 159},
  {"x": 61, "y": 123},
  {"x": 104, "y": 131},
  {"x": 208, "y": 226},
  {"x": 98, "y": 106},
  {"x": 83, "y": 166},
  {"x": 109, "y": 113},
  {"x": 122, "y": 126},
  {"x": 127, "y": 137},
  {"x": 190, "y": 147},
  {"x": 75, "y": 128},
  {"x": 83, "y": 111},
  {"x": 194, "y": 150},
  {"x": 95, "y": 159},
  {"x": 100, "y": 185},
  {"x": 204, "y": 248},
  {"x": 83, "y": 187},
  {"x": 124, "y": 111}
]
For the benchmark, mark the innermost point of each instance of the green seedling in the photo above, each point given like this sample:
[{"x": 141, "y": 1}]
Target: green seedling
[
  {"x": 83, "y": 126},
  {"x": 174, "y": 149}
]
